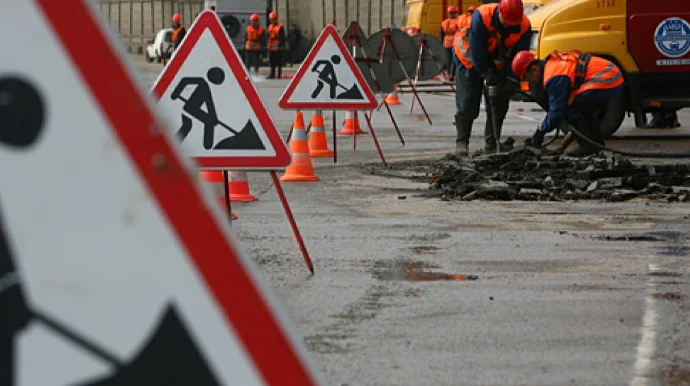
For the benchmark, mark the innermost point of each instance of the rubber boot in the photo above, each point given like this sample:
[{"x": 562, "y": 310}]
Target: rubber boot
[
  {"x": 464, "y": 129},
  {"x": 490, "y": 141},
  {"x": 583, "y": 147}
]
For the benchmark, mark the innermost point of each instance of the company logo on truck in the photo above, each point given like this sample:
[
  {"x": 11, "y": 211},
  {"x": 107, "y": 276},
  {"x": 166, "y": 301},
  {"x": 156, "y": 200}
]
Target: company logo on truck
[{"x": 672, "y": 37}]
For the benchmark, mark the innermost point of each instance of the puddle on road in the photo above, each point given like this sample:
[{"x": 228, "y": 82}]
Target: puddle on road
[
  {"x": 424, "y": 249},
  {"x": 675, "y": 250},
  {"x": 675, "y": 376},
  {"x": 414, "y": 271},
  {"x": 664, "y": 273},
  {"x": 671, "y": 296}
]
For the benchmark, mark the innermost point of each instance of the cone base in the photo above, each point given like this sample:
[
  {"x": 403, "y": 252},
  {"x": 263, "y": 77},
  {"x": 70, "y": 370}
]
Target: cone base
[
  {"x": 349, "y": 131},
  {"x": 393, "y": 102},
  {"x": 293, "y": 177},
  {"x": 321, "y": 153},
  {"x": 242, "y": 198}
]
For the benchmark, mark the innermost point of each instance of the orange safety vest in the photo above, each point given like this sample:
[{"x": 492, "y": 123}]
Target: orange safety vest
[
  {"x": 176, "y": 33},
  {"x": 254, "y": 38},
  {"x": 464, "y": 21},
  {"x": 586, "y": 72},
  {"x": 497, "y": 45},
  {"x": 449, "y": 26},
  {"x": 274, "y": 37}
]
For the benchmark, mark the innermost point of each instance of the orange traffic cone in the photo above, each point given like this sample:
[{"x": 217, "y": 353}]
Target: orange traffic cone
[
  {"x": 392, "y": 98},
  {"x": 318, "y": 143},
  {"x": 214, "y": 180},
  {"x": 239, "y": 188},
  {"x": 351, "y": 124},
  {"x": 301, "y": 168}
]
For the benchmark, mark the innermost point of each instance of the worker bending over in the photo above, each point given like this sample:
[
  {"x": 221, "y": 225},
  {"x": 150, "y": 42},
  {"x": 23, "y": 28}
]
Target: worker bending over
[
  {"x": 448, "y": 29},
  {"x": 276, "y": 46},
  {"x": 578, "y": 86},
  {"x": 252, "y": 43},
  {"x": 485, "y": 51}
]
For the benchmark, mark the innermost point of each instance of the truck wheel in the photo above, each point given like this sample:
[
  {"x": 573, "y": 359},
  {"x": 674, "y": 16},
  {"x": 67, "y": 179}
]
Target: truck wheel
[
  {"x": 613, "y": 116},
  {"x": 640, "y": 118}
]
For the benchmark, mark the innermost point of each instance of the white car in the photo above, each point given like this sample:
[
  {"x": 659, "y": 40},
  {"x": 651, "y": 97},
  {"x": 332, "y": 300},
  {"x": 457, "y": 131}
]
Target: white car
[{"x": 158, "y": 46}]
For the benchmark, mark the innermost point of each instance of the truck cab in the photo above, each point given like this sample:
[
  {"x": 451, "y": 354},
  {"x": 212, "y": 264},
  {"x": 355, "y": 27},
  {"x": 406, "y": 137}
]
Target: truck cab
[
  {"x": 425, "y": 16},
  {"x": 649, "y": 40}
]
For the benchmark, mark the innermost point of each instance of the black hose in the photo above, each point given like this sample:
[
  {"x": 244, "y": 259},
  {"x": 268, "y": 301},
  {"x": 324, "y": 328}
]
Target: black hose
[{"x": 602, "y": 147}]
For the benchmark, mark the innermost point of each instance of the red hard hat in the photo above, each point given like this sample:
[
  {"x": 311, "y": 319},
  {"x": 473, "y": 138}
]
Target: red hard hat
[
  {"x": 472, "y": 8},
  {"x": 511, "y": 11},
  {"x": 272, "y": 15},
  {"x": 452, "y": 9},
  {"x": 254, "y": 17},
  {"x": 176, "y": 18},
  {"x": 521, "y": 61}
]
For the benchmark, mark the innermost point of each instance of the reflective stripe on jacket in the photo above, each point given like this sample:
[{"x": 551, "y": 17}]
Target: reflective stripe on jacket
[
  {"x": 497, "y": 46},
  {"x": 274, "y": 32},
  {"x": 449, "y": 27},
  {"x": 585, "y": 72},
  {"x": 254, "y": 38}
]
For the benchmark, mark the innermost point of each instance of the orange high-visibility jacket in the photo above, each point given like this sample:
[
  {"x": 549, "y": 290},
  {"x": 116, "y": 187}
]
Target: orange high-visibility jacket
[
  {"x": 584, "y": 71},
  {"x": 497, "y": 46},
  {"x": 254, "y": 38},
  {"x": 274, "y": 32},
  {"x": 449, "y": 28}
]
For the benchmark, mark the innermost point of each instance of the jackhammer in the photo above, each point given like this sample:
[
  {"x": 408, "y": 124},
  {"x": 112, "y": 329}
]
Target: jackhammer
[{"x": 493, "y": 92}]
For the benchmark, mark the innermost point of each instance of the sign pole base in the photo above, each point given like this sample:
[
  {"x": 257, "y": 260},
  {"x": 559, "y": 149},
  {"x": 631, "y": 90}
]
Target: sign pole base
[{"x": 293, "y": 224}]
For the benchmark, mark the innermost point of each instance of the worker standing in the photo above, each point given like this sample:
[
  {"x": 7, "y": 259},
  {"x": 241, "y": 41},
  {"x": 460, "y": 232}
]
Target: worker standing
[
  {"x": 276, "y": 46},
  {"x": 448, "y": 29},
  {"x": 178, "y": 32},
  {"x": 578, "y": 86},
  {"x": 485, "y": 52},
  {"x": 253, "y": 38}
]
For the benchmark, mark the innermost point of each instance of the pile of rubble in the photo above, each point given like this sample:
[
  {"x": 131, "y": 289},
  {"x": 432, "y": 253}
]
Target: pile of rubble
[{"x": 520, "y": 175}]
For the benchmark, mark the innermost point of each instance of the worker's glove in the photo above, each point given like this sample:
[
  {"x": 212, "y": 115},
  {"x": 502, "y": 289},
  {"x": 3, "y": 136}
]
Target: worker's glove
[
  {"x": 491, "y": 78},
  {"x": 538, "y": 139}
]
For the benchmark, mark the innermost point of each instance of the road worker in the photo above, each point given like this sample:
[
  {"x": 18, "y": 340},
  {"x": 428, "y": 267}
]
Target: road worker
[
  {"x": 448, "y": 29},
  {"x": 485, "y": 52},
  {"x": 179, "y": 31},
  {"x": 578, "y": 86},
  {"x": 253, "y": 39},
  {"x": 276, "y": 46}
]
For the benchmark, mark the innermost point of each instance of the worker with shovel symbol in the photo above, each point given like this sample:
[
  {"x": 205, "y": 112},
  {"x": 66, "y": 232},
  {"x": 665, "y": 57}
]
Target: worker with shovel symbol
[
  {"x": 327, "y": 75},
  {"x": 245, "y": 139},
  {"x": 200, "y": 96}
]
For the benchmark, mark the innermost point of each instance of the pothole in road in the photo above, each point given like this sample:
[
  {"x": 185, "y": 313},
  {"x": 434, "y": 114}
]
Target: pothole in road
[{"x": 414, "y": 271}]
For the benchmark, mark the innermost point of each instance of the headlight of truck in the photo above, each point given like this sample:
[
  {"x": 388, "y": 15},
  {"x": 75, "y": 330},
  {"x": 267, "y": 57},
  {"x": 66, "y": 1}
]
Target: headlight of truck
[{"x": 534, "y": 43}]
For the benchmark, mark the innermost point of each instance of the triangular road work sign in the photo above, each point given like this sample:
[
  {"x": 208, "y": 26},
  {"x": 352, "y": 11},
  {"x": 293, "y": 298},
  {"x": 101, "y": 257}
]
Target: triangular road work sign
[
  {"x": 116, "y": 268},
  {"x": 218, "y": 115},
  {"x": 328, "y": 79}
]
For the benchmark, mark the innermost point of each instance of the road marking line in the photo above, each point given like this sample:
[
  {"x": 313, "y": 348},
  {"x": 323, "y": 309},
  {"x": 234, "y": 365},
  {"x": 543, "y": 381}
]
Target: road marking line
[
  {"x": 525, "y": 117},
  {"x": 646, "y": 349}
]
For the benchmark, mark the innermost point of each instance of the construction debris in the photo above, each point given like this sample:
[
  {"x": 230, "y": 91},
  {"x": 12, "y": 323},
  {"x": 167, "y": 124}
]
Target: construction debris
[{"x": 519, "y": 175}]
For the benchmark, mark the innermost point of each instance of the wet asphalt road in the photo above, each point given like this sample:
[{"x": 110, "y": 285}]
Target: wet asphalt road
[{"x": 561, "y": 293}]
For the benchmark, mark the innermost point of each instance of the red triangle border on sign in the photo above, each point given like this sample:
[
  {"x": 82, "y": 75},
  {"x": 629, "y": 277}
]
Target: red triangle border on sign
[
  {"x": 216, "y": 260},
  {"x": 330, "y": 30},
  {"x": 209, "y": 20}
]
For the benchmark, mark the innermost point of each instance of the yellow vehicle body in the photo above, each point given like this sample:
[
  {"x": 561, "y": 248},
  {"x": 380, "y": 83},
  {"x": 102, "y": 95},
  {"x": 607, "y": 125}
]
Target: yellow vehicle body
[
  {"x": 566, "y": 25},
  {"x": 532, "y": 5},
  {"x": 648, "y": 40},
  {"x": 425, "y": 16}
]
